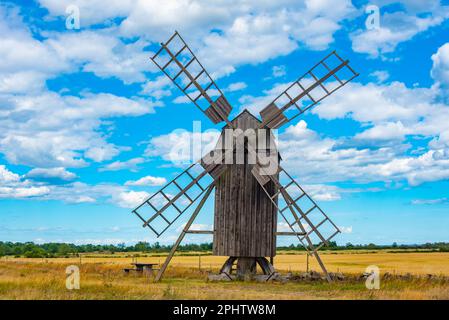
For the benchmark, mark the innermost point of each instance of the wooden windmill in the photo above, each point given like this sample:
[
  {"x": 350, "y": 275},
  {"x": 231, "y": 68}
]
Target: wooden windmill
[{"x": 249, "y": 195}]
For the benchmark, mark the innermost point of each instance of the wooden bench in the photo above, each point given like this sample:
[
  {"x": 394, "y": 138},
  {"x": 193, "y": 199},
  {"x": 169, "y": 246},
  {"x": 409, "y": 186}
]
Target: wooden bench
[{"x": 142, "y": 267}]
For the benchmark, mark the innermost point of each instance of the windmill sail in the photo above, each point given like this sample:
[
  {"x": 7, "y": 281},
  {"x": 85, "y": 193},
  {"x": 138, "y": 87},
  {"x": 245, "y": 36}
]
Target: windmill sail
[
  {"x": 323, "y": 79},
  {"x": 302, "y": 214},
  {"x": 178, "y": 62},
  {"x": 164, "y": 207}
]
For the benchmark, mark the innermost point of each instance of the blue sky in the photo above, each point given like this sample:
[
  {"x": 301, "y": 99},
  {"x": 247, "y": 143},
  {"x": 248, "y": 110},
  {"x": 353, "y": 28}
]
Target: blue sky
[{"x": 84, "y": 115}]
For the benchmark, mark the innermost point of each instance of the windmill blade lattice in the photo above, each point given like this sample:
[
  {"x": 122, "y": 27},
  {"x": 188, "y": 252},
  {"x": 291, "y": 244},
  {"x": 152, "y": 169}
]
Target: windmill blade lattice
[
  {"x": 323, "y": 79},
  {"x": 164, "y": 207},
  {"x": 302, "y": 214},
  {"x": 178, "y": 62}
]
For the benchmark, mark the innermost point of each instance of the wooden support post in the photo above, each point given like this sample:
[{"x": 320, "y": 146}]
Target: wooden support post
[
  {"x": 183, "y": 233},
  {"x": 317, "y": 257},
  {"x": 246, "y": 267}
]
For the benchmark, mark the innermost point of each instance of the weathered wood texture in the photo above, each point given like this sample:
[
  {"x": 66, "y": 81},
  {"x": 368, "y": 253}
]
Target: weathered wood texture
[{"x": 245, "y": 218}]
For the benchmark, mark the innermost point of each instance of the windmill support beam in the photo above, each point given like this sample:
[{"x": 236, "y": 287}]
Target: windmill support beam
[
  {"x": 323, "y": 267},
  {"x": 310, "y": 244},
  {"x": 200, "y": 231},
  {"x": 183, "y": 233},
  {"x": 290, "y": 234}
]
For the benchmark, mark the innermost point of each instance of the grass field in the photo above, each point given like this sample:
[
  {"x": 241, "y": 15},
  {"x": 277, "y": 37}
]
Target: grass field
[{"x": 102, "y": 277}]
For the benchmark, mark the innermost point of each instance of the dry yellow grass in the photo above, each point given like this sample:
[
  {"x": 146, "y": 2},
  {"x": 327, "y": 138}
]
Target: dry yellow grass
[
  {"x": 346, "y": 262},
  {"x": 102, "y": 278}
]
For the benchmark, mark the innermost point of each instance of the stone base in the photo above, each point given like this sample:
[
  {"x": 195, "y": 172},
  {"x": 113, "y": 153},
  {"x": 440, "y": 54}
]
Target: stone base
[
  {"x": 258, "y": 277},
  {"x": 220, "y": 277},
  {"x": 275, "y": 276}
]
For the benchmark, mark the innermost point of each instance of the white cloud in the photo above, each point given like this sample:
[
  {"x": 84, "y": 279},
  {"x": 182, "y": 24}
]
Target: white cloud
[
  {"x": 388, "y": 102},
  {"x": 51, "y": 173},
  {"x": 15, "y": 193},
  {"x": 273, "y": 31},
  {"x": 236, "y": 86},
  {"x": 81, "y": 199},
  {"x": 328, "y": 161},
  {"x": 392, "y": 102},
  {"x": 195, "y": 16},
  {"x": 22, "y": 81},
  {"x": 130, "y": 199},
  {"x": 440, "y": 68},
  {"x": 429, "y": 201},
  {"x": 386, "y": 131},
  {"x": 395, "y": 28},
  {"x": 283, "y": 227},
  {"x": 256, "y": 103},
  {"x": 195, "y": 226},
  {"x": 380, "y": 75},
  {"x": 20, "y": 51},
  {"x": 44, "y": 129},
  {"x": 394, "y": 112},
  {"x": 102, "y": 53},
  {"x": 250, "y": 39},
  {"x": 181, "y": 146},
  {"x": 49, "y": 130},
  {"x": 159, "y": 88},
  {"x": 91, "y": 11},
  {"x": 322, "y": 192},
  {"x": 131, "y": 164},
  {"x": 147, "y": 181},
  {"x": 226, "y": 33},
  {"x": 12, "y": 186},
  {"x": 279, "y": 71},
  {"x": 100, "y": 154},
  {"x": 79, "y": 192},
  {"x": 380, "y": 152},
  {"x": 7, "y": 176},
  {"x": 92, "y": 241},
  {"x": 344, "y": 229},
  {"x": 320, "y": 160}
]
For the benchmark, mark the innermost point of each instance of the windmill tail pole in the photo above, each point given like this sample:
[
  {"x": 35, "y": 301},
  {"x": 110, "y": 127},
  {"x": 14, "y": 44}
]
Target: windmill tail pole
[{"x": 320, "y": 262}]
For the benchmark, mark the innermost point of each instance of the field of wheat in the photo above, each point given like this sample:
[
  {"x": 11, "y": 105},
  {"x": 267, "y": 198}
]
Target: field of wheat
[{"x": 102, "y": 277}]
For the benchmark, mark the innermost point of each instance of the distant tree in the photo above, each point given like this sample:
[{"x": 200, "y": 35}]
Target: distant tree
[
  {"x": 332, "y": 244},
  {"x": 35, "y": 253},
  {"x": 64, "y": 249},
  {"x": 142, "y": 246}
]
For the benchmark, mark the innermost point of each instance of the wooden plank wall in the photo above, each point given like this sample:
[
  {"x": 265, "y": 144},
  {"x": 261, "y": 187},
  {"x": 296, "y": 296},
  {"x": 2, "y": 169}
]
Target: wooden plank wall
[{"x": 245, "y": 218}]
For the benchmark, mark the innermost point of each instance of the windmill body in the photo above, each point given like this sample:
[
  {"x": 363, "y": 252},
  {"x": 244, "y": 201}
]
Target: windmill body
[
  {"x": 252, "y": 190},
  {"x": 245, "y": 218}
]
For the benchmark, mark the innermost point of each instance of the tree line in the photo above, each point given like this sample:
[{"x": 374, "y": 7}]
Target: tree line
[{"x": 50, "y": 250}]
